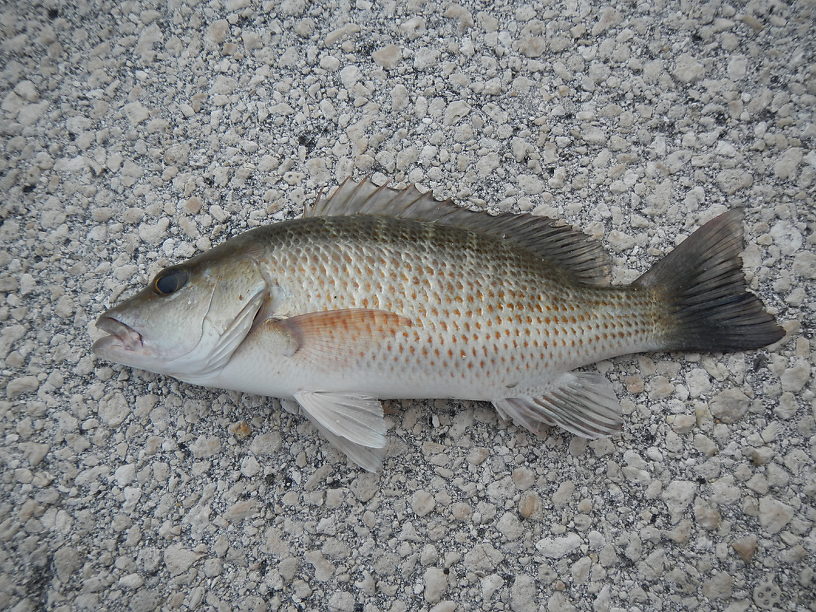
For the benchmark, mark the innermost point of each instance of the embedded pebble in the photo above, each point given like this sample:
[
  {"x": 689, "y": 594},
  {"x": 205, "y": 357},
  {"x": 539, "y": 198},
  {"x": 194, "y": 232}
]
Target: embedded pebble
[
  {"x": 66, "y": 562},
  {"x": 678, "y": 495},
  {"x": 455, "y": 111},
  {"x": 436, "y": 583},
  {"x": 136, "y": 112},
  {"x": 217, "y": 31},
  {"x": 509, "y": 526},
  {"x": 804, "y": 264},
  {"x": 683, "y": 423},
  {"x": 31, "y": 113},
  {"x": 794, "y": 378},
  {"x": 422, "y": 503},
  {"x": 729, "y": 406},
  {"x": 787, "y": 164},
  {"x": 563, "y": 494},
  {"x": 530, "y": 184},
  {"x": 523, "y": 593},
  {"x": 555, "y": 548},
  {"x": 388, "y": 57},
  {"x": 124, "y": 474},
  {"x": 179, "y": 559},
  {"x": 719, "y": 586},
  {"x": 205, "y": 446},
  {"x": 687, "y": 68},
  {"x": 620, "y": 241},
  {"x": 737, "y": 67},
  {"x": 773, "y": 514},
  {"x": 113, "y": 409},
  {"x": 523, "y": 477},
  {"x": 131, "y": 581},
  {"x": 22, "y": 385},
  {"x": 529, "y": 505},
  {"x": 734, "y": 180},
  {"x": 241, "y": 510},
  {"x": 482, "y": 557},
  {"x": 698, "y": 382},
  {"x": 745, "y": 547}
]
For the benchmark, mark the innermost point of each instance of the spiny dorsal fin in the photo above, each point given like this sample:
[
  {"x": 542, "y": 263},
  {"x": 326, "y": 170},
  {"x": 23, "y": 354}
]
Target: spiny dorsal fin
[{"x": 557, "y": 243}]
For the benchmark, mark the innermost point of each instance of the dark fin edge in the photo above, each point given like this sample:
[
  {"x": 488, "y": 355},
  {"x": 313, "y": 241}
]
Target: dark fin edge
[{"x": 703, "y": 286}]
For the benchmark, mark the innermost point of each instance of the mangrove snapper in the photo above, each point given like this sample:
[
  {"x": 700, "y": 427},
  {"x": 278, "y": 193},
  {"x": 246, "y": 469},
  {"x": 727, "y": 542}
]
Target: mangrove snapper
[{"x": 383, "y": 294}]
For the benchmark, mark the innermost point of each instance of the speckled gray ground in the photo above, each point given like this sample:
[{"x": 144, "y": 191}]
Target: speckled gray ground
[{"x": 135, "y": 134}]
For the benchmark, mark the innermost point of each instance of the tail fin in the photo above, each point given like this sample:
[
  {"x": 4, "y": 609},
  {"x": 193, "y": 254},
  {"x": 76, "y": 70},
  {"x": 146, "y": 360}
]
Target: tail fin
[{"x": 704, "y": 289}]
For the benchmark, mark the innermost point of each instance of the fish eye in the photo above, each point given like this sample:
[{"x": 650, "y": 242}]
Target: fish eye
[{"x": 169, "y": 281}]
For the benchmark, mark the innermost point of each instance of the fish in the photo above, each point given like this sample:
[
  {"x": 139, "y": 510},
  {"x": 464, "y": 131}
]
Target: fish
[{"x": 378, "y": 293}]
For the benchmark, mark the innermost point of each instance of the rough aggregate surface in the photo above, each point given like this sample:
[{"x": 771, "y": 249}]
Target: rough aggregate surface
[{"x": 136, "y": 134}]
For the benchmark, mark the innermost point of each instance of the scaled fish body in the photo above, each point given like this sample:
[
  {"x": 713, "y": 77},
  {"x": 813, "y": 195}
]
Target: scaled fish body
[{"x": 379, "y": 294}]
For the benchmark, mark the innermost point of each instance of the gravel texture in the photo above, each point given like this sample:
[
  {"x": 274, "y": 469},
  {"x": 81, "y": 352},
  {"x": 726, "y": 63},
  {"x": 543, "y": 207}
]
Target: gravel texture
[{"x": 135, "y": 134}]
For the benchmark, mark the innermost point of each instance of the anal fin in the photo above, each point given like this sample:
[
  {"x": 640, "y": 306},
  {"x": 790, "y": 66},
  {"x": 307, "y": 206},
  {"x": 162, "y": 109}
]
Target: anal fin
[
  {"x": 583, "y": 403},
  {"x": 352, "y": 422}
]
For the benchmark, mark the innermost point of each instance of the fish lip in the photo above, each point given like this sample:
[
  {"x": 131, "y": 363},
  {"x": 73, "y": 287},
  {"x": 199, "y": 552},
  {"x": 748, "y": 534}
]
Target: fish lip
[{"x": 127, "y": 337}]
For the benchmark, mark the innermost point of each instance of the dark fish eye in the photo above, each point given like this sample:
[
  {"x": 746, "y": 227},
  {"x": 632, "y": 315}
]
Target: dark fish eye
[{"x": 170, "y": 281}]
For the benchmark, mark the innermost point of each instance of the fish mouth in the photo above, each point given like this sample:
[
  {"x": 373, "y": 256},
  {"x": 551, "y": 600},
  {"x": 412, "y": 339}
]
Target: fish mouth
[{"x": 121, "y": 335}]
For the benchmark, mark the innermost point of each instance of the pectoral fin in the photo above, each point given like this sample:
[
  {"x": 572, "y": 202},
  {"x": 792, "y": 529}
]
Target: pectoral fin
[
  {"x": 583, "y": 403},
  {"x": 352, "y": 422},
  {"x": 331, "y": 336}
]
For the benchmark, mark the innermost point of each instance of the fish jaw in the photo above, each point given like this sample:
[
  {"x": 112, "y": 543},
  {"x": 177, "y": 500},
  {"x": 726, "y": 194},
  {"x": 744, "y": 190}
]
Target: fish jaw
[
  {"x": 133, "y": 339},
  {"x": 123, "y": 344},
  {"x": 121, "y": 335}
]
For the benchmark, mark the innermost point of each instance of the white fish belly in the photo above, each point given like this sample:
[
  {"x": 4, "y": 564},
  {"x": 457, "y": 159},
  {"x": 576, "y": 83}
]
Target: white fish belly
[{"x": 494, "y": 359}]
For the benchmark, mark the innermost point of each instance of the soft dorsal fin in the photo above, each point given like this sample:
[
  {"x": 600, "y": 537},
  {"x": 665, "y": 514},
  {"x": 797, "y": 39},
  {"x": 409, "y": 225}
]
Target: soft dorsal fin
[{"x": 557, "y": 243}]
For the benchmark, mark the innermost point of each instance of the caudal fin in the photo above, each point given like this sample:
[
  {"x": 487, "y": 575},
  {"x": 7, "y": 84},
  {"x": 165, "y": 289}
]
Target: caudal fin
[{"x": 703, "y": 287}]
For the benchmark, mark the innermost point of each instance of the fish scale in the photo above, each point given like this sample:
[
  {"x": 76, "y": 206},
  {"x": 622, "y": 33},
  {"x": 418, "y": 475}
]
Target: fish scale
[
  {"x": 379, "y": 293},
  {"x": 470, "y": 337}
]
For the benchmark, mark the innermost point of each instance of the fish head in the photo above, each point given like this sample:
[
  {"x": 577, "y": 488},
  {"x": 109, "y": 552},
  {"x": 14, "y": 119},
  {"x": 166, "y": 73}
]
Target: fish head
[{"x": 189, "y": 320}]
